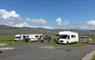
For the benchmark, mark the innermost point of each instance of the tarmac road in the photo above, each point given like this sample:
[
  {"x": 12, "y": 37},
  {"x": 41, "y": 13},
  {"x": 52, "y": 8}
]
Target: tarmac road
[{"x": 43, "y": 52}]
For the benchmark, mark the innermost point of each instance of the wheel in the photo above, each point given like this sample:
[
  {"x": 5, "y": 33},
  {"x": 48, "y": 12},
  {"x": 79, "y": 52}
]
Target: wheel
[
  {"x": 1, "y": 51},
  {"x": 15, "y": 40},
  {"x": 67, "y": 42}
]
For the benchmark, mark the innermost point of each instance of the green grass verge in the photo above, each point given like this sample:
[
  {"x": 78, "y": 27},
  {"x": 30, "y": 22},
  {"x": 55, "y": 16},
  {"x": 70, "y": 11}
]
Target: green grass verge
[
  {"x": 93, "y": 38},
  {"x": 93, "y": 58}
]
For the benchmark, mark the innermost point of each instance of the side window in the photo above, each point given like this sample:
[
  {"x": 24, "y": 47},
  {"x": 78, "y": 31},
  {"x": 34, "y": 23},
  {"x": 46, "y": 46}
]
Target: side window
[
  {"x": 27, "y": 36},
  {"x": 68, "y": 36},
  {"x": 73, "y": 36},
  {"x": 36, "y": 36},
  {"x": 24, "y": 36}
]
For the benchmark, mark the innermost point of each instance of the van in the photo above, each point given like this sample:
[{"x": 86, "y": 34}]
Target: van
[{"x": 66, "y": 37}]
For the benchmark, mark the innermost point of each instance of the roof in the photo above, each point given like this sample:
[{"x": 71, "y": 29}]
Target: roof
[
  {"x": 27, "y": 34},
  {"x": 67, "y": 32}
]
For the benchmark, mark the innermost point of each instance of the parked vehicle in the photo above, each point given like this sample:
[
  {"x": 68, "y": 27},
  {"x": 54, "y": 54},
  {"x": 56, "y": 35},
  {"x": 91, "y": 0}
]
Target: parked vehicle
[
  {"x": 27, "y": 37},
  {"x": 45, "y": 38},
  {"x": 68, "y": 37},
  {"x": 33, "y": 37},
  {"x": 85, "y": 39}
]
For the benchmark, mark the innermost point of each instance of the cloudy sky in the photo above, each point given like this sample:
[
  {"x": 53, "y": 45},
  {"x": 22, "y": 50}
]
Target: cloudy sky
[{"x": 50, "y": 14}]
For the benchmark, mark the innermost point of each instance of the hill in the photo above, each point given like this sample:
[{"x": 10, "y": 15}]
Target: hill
[
  {"x": 27, "y": 30},
  {"x": 18, "y": 30}
]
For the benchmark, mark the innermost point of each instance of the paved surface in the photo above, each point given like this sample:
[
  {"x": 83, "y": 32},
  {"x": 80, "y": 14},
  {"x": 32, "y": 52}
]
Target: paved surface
[
  {"x": 43, "y": 52},
  {"x": 89, "y": 56}
]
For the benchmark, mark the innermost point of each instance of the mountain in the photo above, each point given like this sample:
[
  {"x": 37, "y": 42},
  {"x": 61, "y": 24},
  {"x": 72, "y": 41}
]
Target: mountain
[
  {"x": 27, "y": 30},
  {"x": 19, "y": 30}
]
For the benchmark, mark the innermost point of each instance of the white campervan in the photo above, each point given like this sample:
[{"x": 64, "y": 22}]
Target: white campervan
[
  {"x": 28, "y": 37},
  {"x": 68, "y": 37}
]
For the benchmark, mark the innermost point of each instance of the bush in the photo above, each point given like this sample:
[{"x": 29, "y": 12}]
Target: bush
[{"x": 54, "y": 38}]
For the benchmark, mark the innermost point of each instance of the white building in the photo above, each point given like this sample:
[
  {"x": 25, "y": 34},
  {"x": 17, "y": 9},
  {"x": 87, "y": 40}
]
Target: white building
[{"x": 68, "y": 37}]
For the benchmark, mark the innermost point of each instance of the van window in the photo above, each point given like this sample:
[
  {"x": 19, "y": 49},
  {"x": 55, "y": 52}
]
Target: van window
[
  {"x": 36, "y": 36},
  {"x": 24, "y": 36},
  {"x": 65, "y": 37},
  {"x": 18, "y": 37},
  {"x": 73, "y": 36},
  {"x": 27, "y": 36}
]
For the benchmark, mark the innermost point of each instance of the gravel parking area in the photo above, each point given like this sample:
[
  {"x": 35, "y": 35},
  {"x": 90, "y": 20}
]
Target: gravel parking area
[{"x": 46, "y": 52}]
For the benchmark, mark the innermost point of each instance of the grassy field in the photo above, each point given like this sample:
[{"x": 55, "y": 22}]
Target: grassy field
[{"x": 9, "y": 40}]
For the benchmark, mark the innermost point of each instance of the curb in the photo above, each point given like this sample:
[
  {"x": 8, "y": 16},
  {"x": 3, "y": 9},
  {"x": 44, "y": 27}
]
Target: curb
[{"x": 89, "y": 56}]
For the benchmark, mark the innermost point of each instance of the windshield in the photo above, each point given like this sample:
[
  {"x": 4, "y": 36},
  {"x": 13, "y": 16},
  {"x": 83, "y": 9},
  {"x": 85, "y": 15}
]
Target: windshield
[
  {"x": 18, "y": 37},
  {"x": 64, "y": 36}
]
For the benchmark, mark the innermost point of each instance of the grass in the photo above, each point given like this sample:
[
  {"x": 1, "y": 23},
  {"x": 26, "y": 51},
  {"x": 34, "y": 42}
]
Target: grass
[
  {"x": 93, "y": 38},
  {"x": 9, "y": 40},
  {"x": 6, "y": 37},
  {"x": 93, "y": 58}
]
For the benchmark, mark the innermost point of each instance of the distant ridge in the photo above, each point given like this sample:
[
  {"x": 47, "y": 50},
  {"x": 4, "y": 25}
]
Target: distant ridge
[
  {"x": 5, "y": 26},
  {"x": 4, "y": 29}
]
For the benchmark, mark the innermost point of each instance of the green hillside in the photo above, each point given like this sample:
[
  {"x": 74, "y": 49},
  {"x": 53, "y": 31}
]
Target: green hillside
[{"x": 27, "y": 30}]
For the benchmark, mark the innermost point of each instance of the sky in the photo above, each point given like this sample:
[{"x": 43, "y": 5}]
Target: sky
[{"x": 50, "y": 14}]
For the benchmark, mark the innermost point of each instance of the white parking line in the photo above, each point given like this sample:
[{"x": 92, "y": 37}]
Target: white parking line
[
  {"x": 2, "y": 44},
  {"x": 6, "y": 48}
]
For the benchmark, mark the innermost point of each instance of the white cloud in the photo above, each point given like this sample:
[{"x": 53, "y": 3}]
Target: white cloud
[
  {"x": 16, "y": 22},
  {"x": 59, "y": 21},
  {"x": 48, "y": 27},
  {"x": 24, "y": 24},
  {"x": 7, "y": 14},
  {"x": 12, "y": 18},
  {"x": 91, "y": 22},
  {"x": 66, "y": 22},
  {"x": 63, "y": 24},
  {"x": 88, "y": 25},
  {"x": 38, "y": 21},
  {"x": 84, "y": 27}
]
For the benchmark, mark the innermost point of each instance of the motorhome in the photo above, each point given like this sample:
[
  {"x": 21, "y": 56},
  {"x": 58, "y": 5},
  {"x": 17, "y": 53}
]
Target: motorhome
[
  {"x": 68, "y": 37},
  {"x": 27, "y": 37}
]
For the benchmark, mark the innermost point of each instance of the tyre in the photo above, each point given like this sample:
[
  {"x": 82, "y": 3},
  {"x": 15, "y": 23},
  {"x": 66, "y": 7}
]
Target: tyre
[
  {"x": 15, "y": 40},
  {"x": 67, "y": 42}
]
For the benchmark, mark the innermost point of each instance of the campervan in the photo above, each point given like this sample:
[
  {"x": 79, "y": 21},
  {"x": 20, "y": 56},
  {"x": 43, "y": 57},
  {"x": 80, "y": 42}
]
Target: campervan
[
  {"x": 27, "y": 37},
  {"x": 68, "y": 37}
]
